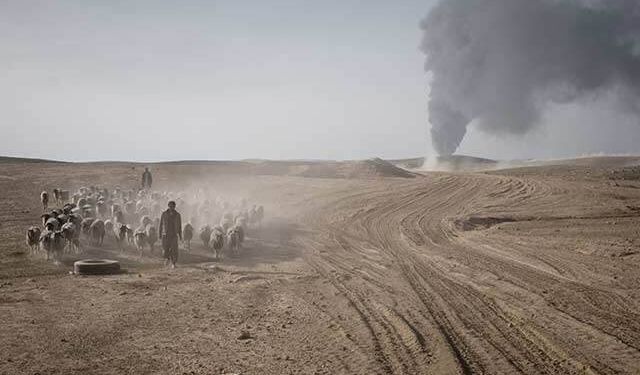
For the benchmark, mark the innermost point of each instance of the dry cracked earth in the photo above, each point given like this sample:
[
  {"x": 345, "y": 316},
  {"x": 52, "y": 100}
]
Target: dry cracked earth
[{"x": 523, "y": 271}]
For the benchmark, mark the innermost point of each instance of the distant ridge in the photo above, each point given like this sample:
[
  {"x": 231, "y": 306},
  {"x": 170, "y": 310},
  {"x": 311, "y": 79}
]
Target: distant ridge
[
  {"x": 13, "y": 159},
  {"x": 367, "y": 169}
]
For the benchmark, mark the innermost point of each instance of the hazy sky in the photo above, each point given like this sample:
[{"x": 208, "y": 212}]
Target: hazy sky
[{"x": 160, "y": 80}]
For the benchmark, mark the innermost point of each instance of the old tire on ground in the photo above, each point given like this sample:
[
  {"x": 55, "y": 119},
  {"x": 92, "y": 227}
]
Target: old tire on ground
[{"x": 96, "y": 267}]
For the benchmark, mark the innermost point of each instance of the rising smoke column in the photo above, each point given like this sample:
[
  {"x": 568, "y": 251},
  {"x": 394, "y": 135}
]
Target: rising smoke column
[{"x": 499, "y": 62}]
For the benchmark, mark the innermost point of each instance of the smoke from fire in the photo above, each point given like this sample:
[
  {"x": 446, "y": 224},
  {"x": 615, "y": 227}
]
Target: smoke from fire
[{"x": 498, "y": 63}]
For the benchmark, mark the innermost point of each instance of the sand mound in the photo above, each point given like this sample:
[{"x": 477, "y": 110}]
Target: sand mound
[
  {"x": 371, "y": 168},
  {"x": 375, "y": 167}
]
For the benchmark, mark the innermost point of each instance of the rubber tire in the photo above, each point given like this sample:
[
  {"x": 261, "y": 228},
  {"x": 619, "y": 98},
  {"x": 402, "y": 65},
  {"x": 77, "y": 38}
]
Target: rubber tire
[{"x": 96, "y": 267}]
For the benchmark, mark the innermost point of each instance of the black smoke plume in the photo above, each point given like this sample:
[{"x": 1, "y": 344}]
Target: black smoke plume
[{"x": 499, "y": 62}]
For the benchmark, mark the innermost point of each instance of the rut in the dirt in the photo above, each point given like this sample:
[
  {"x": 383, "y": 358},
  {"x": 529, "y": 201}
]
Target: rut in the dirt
[{"x": 472, "y": 304}]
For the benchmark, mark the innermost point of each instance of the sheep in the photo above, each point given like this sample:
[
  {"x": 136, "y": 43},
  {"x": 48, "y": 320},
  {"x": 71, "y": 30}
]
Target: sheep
[
  {"x": 102, "y": 209},
  {"x": 115, "y": 209},
  {"x": 58, "y": 245},
  {"x": 232, "y": 218},
  {"x": 140, "y": 239},
  {"x": 130, "y": 209},
  {"x": 71, "y": 236},
  {"x": 52, "y": 224},
  {"x": 46, "y": 242},
  {"x": 85, "y": 225},
  {"x": 44, "y": 218},
  {"x": 156, "y": 209},
  {"x": 64, "y": 196},
  {"x": 68, "y": 208},
  {"x": 240, "y": 231},
  {"x": 105, "y": 193},
  {"x": 253, "y": 215},
  {"x": 260, "y": 214},
  {"x": 56, "y": 195},
  {"x": 226, "y": 223},
  {"x": 87, "y": 211},
  {"x": 256, "y": 214},
  {"x": 205, "y": 235},
  {"x": 91, "y": 200},
  {"x": 119, "y": 218},
  {"x": 81, "y": 202},
  {"x": 33, "y": 238},
  {"x": 97, "y": 232},
  {"x": 130, "y": 235},
  {"x": 77, "y": 221},
  {"x": 152, "y": 236},
  {"x": 217, "y": 242},
  {"x": 120, "y": 231},
  {"x": 241, "y": 221},
  {"x": 142, "y": 212},
  {"x": 44, "y": 199},
  {"x": 145, "y": 220},
  {"x": 62, "y": 220},
  {"x": 233, "y": 240},
  {"x": 61, "y": 196},
  {"x": 53, "y": 243},
  {"x": 108, "y": 226},
  {"x": 187, "y": 235}
]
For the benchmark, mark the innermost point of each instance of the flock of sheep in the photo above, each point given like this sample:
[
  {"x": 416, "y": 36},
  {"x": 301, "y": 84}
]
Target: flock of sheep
[{"x": 132, "y": 218}]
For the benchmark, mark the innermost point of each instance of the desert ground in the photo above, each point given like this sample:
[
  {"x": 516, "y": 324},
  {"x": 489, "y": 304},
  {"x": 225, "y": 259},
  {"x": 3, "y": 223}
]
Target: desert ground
[{"x": 359, "y": 268}]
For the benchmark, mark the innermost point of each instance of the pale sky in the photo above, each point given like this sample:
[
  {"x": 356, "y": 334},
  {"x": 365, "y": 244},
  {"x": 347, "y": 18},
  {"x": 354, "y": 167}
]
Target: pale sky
[{"x": 278, "y": 79}]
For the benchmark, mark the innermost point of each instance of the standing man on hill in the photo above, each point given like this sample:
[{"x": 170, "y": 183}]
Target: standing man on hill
[
  {"x": 170, "y": 231},
  {"x": 147, "y": 180}
]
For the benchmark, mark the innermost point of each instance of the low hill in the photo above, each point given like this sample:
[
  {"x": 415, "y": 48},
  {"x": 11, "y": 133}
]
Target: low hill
[
  {"x": 371, "y": 168},
  {"x": 11, "y": 159}
]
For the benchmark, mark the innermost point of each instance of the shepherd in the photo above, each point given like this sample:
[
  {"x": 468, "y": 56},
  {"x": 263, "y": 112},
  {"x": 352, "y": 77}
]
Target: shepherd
[
  {"x": 170, "y": 231},
  {"x": 147, "y": 180}
]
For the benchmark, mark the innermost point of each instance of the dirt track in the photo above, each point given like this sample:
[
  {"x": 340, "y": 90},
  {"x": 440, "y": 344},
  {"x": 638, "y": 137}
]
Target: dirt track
[{"x": 522, "y": 271}]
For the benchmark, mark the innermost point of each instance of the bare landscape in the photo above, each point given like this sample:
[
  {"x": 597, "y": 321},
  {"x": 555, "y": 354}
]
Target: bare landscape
[
  {"x": 358, "y": 268},
  {"x": 320, "y": 187}
]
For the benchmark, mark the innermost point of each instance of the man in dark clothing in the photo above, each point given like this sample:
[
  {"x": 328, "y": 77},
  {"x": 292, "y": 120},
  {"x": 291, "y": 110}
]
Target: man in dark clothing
[
  {"x": 146, "y": 179},
  {"x": 170, "y": 231}
]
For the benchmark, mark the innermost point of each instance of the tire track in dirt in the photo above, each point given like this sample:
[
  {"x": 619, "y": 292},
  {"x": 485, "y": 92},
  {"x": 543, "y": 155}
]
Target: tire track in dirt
[{"x": 479, "y": 305}]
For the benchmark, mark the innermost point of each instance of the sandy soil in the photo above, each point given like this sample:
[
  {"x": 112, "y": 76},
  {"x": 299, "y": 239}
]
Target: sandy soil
[{"x": 533, "y": 270}]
